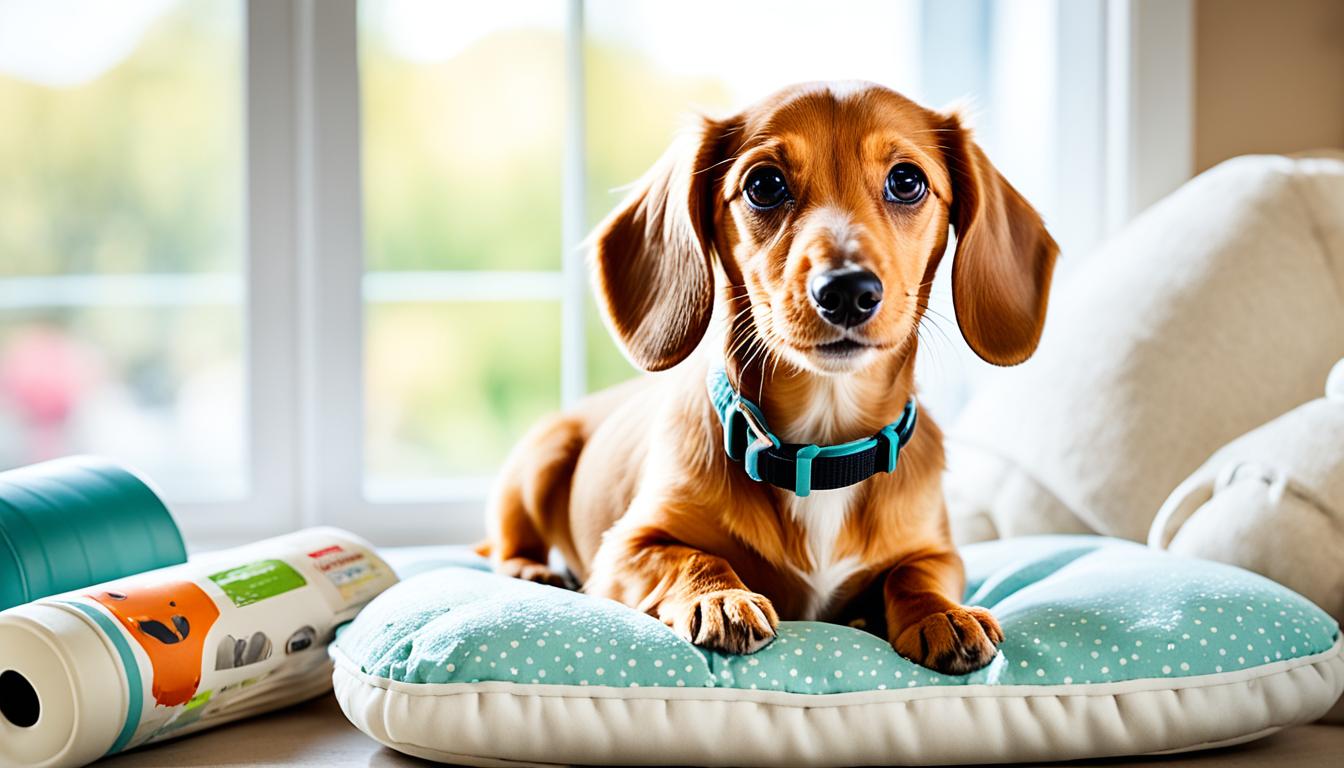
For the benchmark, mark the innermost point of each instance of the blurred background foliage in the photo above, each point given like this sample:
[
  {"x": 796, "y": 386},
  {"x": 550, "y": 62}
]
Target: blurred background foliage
[
  {"x": 138, "y": 170},
  {"x": 132, "y": 170}
]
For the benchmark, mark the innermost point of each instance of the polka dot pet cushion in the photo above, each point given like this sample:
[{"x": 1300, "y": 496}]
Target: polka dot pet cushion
[{"x": 1111, "y": 649}]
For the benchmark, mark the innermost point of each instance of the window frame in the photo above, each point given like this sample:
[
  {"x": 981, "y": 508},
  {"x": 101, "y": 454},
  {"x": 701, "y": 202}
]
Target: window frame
[
  {"x": 1125, "y": 119},
  {"x": 306, "y": 288}
]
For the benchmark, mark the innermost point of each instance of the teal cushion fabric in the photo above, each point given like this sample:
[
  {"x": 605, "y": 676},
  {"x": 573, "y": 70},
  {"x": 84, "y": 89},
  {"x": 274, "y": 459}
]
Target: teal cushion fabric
[{"x": 1074, "y": 610}]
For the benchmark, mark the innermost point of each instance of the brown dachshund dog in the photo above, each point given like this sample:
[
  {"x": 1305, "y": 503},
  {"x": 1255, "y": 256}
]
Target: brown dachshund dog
[{"x": 792, "y": 245}]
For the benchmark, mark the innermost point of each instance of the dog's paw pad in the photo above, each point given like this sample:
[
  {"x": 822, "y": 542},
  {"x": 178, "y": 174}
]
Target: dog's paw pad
[
  {"x": 730, "y": 620},
  {"x": 953, "y": 642}
]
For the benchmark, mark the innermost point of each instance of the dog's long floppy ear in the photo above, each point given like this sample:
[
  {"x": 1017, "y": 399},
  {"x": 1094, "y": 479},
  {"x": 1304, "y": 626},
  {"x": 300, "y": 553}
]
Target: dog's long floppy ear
[
  {"x": 1001, "y": 272},
  {"x": 652, "y": 256}
]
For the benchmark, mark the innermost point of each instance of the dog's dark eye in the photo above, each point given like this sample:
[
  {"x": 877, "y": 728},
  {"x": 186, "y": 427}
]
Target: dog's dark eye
[
  {"x": 765, "y": 188},
  {"x": 906, "y": 184}
]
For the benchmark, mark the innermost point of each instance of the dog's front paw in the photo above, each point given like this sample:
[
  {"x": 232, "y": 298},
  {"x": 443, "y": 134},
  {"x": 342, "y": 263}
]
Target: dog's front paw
[
  {"x": 953, "y": 642},
  {"x": 731, "y": 620},
  {"x": 530, "y": 570}
]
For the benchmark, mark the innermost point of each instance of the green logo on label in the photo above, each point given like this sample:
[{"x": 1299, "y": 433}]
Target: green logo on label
[{"x": 254, "y": 582}]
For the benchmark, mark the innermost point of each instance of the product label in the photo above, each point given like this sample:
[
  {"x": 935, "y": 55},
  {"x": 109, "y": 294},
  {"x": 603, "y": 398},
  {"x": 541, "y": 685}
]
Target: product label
[
  {"x": 254, "y": 582},
  {"x": 355, "y": 575},
  {"x": 240, "y": 633}
]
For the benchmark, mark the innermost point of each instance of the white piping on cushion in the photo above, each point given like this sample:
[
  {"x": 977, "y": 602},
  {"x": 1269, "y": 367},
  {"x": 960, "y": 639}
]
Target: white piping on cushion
[{"x": 499, "y": 723}]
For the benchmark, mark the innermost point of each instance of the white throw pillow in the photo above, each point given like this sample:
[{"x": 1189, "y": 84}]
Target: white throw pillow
[{"x": 1271, "y": 501}]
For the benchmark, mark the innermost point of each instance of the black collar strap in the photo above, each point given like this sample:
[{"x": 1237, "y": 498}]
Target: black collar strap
[{"x": 796, "y": 467}]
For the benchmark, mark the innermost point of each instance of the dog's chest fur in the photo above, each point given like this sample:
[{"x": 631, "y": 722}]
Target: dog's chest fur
[{"x": 822, "y": 514}]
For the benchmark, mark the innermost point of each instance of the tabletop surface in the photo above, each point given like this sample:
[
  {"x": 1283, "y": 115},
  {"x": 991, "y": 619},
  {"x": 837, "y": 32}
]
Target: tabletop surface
[{"x": 317, "y": 734}]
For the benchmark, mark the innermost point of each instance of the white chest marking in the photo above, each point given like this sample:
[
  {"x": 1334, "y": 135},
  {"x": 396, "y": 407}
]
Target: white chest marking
[{"x": 822, "y": 516}]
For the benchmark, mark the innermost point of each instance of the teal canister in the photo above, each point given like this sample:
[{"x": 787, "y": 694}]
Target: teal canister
[{"x": 77, "y": 521}]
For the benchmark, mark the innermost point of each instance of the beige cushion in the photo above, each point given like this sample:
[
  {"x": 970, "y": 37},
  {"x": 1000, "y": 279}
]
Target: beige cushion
[{"x": 1271, "y": 501}]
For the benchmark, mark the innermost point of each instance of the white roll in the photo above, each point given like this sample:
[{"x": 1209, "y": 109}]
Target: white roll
[{"x": 169, "y": 652}]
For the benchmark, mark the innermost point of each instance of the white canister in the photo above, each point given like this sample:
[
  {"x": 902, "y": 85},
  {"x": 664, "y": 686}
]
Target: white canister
[{"x": 165, "y": 653}]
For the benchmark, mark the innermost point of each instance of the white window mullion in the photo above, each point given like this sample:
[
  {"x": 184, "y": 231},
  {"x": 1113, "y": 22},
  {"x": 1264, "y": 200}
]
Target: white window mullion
[
  {"x": 574, "y": 218},
  {"x": 271, "y": 339},
  {"x": 330, "y": 262},
  {"x": 273, "y": 426},
  {"x": 304, "y": 265}
]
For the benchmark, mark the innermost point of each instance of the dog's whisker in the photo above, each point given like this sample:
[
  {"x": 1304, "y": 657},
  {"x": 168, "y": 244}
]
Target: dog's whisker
[
  {"x": 740, "y": 346},
  {"x": 774, "y": 369},
  {"x": 738, "y": 316},
  {"x": 931, "y": 313},
  {"x": 745, "y": 345},
  {"x": 933, "y": 325},
  {"x": 725, "y": 161},
  {"x": 935, "y": 317}
]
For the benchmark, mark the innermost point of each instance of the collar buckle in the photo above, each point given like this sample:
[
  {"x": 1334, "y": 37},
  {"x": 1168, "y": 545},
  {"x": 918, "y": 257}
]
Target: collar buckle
[
  {"x": 747, "y": 438},
  {"x": 744, "y": 425}
]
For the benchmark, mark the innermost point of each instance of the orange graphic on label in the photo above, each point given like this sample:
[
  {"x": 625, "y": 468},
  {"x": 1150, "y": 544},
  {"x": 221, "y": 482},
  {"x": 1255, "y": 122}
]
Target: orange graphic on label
[{"x": 170, "y": 621}]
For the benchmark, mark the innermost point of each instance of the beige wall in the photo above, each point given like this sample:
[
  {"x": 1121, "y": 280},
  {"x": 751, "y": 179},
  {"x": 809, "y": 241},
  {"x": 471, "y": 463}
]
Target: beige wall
[{"x": 1269, "y": 77}]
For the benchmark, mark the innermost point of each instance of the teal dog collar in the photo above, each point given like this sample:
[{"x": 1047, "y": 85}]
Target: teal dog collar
[{"x": 796, "y": 467}]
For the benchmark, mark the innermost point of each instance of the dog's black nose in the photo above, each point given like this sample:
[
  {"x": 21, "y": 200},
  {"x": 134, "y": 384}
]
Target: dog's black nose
[{"x": 846, "y": 297}]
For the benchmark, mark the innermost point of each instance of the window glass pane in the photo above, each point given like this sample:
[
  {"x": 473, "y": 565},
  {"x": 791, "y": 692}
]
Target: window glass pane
[
  {"x": 121, "y": 300},
  {"x": 606, "y": 365},
  {"x": 451, "y": 386},
  {"x": 463, "y": 107},
  {"x": 462, "y": 121}
]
